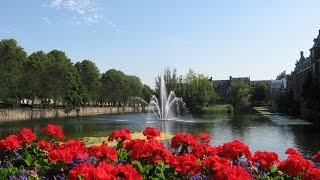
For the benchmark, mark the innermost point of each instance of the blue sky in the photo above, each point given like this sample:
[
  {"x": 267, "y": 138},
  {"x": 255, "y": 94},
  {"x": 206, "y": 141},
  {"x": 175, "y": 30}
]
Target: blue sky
[{"x": 256, "y": 38}]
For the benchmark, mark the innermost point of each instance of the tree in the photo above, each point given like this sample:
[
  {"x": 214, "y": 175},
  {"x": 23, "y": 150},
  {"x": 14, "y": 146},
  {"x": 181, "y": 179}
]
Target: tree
[
  {"x": 113, "y": 86},
  {"x": 34, "y": 73},
  {"x": 12, "y": 58},
  {"x": 147, "y": 93},
  {"x": 133, "y": 86},
  {"x": 170, "y": 80},
  {"x": 239, "y": 94},
  {"x": 196, "y": 91},
  {"x": 260, "y": 92},
  {"x": 64, "y": 82},
  {"x": 90, "y": 78}
]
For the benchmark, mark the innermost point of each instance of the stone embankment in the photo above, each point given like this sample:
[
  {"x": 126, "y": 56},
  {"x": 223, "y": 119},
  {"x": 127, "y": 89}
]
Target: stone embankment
[{"x": 25, "y": 114}]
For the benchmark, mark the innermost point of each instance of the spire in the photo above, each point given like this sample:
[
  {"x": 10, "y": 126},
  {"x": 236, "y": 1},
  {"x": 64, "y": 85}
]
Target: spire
[{"x": 317, "y": 41}]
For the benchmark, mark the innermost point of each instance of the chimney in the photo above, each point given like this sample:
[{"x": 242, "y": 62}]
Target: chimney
[{"x": 301, "y": 54}]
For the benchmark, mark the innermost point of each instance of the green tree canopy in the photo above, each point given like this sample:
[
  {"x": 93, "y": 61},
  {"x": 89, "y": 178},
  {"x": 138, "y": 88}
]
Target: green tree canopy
[
  {"x": 34, "y": 76},
  {"x": 239, "y": 94},
  {"x": 12, "y": 59},
  {"x": 64, "y": 82},
  {"x": 196, "y": 91},
  {"x": 89, "y": 73},
  {"x": 133, "y": 86},
  {"x": 170, "y": 80},
  {"x": 147, "y": 93},
  {"x": 118, "y": 87},
  {"x": 260, "y": 92}
]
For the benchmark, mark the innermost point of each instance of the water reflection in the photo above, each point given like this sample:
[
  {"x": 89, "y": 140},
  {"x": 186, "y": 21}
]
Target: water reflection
[{"x": 258, "y": 133}]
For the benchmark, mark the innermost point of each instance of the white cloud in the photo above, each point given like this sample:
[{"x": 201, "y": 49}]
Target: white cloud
[{"x": 83, "y": 11}]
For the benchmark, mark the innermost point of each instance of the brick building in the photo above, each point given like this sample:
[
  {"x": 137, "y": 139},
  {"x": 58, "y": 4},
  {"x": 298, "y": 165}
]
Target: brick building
[{"x": 304, "y": 67}]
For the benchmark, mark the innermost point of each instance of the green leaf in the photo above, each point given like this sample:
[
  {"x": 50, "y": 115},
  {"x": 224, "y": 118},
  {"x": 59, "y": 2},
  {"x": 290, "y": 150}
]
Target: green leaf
[
  {"x": 138, "y": 165},
  {"x": 147, "y": 168},
  {"x": 273, "y": 169}
]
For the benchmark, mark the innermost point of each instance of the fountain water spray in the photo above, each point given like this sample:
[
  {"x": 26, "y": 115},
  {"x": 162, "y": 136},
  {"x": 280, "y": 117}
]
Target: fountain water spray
[{"x": 169, "y": 106}]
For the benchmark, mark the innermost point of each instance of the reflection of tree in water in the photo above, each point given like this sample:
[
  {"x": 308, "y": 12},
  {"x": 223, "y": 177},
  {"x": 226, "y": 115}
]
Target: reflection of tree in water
[
  {"x": 240, "y": 122},
  {"x": 190, "y": 127},
  {"x": 307, "y": 138}
]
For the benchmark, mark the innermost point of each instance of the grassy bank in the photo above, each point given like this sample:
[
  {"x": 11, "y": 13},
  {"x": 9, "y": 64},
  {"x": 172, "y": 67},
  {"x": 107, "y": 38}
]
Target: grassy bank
[{"x": 218, "y": 109}]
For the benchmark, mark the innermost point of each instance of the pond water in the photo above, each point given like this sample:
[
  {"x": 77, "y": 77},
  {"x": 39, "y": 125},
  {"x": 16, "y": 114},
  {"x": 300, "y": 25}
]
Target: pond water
[{"x": 274, "y": 134}]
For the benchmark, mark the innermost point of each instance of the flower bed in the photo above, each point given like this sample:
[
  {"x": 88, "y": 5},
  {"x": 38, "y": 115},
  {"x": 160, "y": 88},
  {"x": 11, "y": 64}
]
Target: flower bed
[{"x": 26, "y": 156}]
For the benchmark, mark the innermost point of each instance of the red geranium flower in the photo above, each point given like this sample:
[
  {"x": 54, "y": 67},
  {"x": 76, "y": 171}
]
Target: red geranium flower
[
  {"x": 294, "y": 165},
  {"x": 103, "y": 151},
  {"x": 44, "y": 145},
  {"x": 54, "y": 130},
  {"x": 205, "y": 138},
  {"x": 292, "y": 151},
  {"x": 312, "y": 173},
  {"x": 126, "y": 172},
  {"x": 203, "y": 150},
  {"x": 68, "y": 150},
  {"x": 120, "y": 135},
  {"x": 186, "y": 163},
  {"x": 215, "y": 163},
  {"x": 151, "y": 133},
  {"x": 181, "y": 139},
  {"x": 234, "y": 149},
  {"x": 143, "y": 149},
  {"x": 233, "y": 173},
  {"x": 84, "y": 170},
  {"x": 27, "y": 135},
  {"x": 11, "y": 142},
  {"x": 317, "y": 156},
  {"x": 266, "y": 159}
]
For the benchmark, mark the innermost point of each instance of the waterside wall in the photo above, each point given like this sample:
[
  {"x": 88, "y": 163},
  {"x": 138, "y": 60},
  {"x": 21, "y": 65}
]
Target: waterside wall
[{"x": 25, "y": 114}]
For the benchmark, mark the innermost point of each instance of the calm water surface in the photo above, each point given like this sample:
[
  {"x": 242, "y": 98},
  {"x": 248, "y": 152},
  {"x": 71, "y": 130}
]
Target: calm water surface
[{"x": 276, "y": 134}]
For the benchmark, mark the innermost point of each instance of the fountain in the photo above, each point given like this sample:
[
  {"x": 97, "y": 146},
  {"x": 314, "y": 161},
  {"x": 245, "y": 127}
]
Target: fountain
[{"x": 167, "y": 107}]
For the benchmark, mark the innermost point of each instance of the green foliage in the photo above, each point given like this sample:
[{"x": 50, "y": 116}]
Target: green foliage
[
  {"x": 147, "y": 93},
  {"x": 35, "y": 76},
  {"x": 123, "y": 155},
  {"x": 196, "y": 91},
  {"x": 90, "y": 77},
  {"x": 117, "y": 86},
  {"x": 12, "y": 59},
  {"x": 239, "y": 94},
  {"x": 157, "y": 171},
  {"x": 218, "y": 108},
  {"x": 170, "y": 80},
  {"x": 133, "y": 86},
  {"x": 65, "y": 83},
  {"x": 260, "y": 92},
  {"x": 113, "y": 86}
]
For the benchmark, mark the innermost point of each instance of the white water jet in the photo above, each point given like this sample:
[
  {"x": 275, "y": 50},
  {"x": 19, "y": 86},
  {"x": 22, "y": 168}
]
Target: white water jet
[{"x": 168, "y": 106}]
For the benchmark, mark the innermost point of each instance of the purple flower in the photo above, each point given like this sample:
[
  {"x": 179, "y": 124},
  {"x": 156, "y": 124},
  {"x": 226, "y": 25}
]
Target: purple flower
[
  {"x": 199, "y": 177},
  {"x": 256, "y": 164},
  {"x": 77, "y": 160},
  {"x": 18, "y": 156},
  {"x": 60, "y": 177}
]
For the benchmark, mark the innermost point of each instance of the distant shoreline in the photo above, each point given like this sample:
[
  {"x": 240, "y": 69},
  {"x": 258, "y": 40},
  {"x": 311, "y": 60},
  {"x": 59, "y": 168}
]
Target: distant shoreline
[{"x": 27, "y": 113}]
